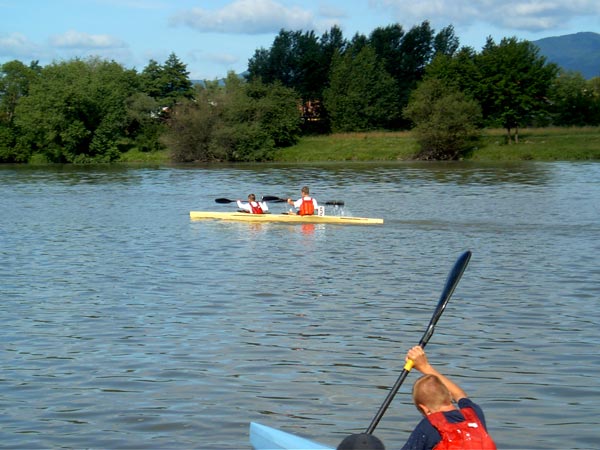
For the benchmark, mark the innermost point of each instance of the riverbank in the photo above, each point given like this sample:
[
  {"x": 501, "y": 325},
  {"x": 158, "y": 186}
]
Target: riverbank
[{"x": 535, "y": 144}]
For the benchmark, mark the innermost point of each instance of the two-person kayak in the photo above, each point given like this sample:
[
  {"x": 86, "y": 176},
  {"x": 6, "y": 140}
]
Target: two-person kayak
[{"x": 283, "y": 218}]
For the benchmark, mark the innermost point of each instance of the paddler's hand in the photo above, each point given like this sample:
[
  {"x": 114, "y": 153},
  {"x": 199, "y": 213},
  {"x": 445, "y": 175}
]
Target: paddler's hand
[{"x": 418, "y": 357}]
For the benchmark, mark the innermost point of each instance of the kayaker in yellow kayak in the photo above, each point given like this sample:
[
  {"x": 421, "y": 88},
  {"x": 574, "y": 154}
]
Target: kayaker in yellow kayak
[
  {"x": 306, "y": 205},
  {"x": 252, "y": 206}
]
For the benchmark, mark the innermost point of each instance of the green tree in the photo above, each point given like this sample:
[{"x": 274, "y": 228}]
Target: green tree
[
  {"x": 514, "y": 82},
  {"x": 446, "y": 42},
  {"x": 416, "y": 49},
  {"x": 190, "y": 133},
  {"x": 15, "y": 79},
  {"x": 151, "y": 80},
  {"x": 460, "y": 69},
  {"x": 298, "y": 60},
  {"x": 574, "y": 101},
  {"x": 387, "y": 43},
  {"x": 177, "y": 83},
  {"x": 362, "y": 95},
  {"x": 167, "y": 83},
  {"x": 406, "y": 55},
  {"x": 240, "y": 121},
  {"x": 75, "y": 111},
  {"x": 445, "y": 119},
  {"x": 145, "y": 122}
]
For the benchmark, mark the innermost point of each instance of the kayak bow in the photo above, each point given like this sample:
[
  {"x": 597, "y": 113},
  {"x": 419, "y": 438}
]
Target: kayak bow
[{"x": 263, "y": 437}]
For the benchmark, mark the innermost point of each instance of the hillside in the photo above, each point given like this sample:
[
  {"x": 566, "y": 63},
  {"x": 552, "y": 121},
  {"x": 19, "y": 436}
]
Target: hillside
[{"x": 579, "y": 52}]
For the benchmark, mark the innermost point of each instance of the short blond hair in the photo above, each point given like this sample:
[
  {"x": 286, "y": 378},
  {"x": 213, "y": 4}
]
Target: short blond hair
[{"x": 431, "y": 392}]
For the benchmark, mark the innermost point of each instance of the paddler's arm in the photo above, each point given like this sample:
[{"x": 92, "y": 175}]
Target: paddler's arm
[
  {"x": 418, "y": 356},
  {"x": 245, "y": 207}
]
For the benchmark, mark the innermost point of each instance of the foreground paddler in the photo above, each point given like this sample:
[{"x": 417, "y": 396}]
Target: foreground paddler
[
  {"x": 449, "y": 427},
  {"x": 444, "y": 426}
]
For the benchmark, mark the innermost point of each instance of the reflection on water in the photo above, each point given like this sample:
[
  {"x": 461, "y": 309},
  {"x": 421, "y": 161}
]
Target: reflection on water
[{"x": 127, "y": 325}]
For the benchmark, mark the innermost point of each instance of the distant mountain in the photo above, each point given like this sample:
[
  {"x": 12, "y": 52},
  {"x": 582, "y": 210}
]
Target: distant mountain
[{"x": 579, "y": 52}]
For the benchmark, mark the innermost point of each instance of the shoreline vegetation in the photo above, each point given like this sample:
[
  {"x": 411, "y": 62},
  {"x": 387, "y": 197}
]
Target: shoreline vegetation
[{"x": 535, "y": 144}]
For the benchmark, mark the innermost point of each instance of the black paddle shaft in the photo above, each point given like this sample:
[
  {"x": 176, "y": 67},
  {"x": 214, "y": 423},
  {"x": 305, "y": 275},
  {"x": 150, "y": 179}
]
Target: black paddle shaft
[
  {"x": 451, "y": 282},
  {"x": 271, "y": 198}
]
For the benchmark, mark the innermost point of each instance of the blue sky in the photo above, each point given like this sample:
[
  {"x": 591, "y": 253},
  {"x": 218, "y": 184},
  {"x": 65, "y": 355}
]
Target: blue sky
[{"x": 213, "y": 37}]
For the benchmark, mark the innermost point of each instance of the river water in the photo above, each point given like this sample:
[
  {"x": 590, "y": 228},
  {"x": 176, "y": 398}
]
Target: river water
[{"x": 126, "y": 325}]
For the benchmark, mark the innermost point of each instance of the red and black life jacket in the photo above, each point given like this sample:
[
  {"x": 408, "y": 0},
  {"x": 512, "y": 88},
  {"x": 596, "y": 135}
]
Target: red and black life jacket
[
  {"x": 469, "y": 434},
  {"x": 307, "y": 208},
  {"x": 255, "y": 208}
]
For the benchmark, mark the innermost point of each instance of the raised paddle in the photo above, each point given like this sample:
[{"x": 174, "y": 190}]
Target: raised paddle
[
  {"x": 270, "y": 198},
  {"x": 451, "y": 282},
  {"x": 224, "y": 200}
]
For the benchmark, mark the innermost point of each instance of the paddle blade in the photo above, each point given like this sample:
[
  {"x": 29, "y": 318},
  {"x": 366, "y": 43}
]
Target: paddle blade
[
  {"x": 453, "y": 278},
  {"x": 223, "y": 200},
  {"x": 335, "y": 202}
]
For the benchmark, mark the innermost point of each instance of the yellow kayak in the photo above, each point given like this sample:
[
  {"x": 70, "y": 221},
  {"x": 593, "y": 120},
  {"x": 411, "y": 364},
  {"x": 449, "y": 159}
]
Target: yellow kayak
[{"x": 285, "y": 218}]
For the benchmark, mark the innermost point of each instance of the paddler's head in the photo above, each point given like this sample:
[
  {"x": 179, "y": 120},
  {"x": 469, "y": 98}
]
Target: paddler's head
[{"x": 430, "y": 395}]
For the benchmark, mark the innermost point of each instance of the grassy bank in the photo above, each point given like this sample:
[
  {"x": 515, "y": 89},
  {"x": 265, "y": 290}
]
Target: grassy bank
[
  {"x": 374, "y": 146},
  {"x": 535, "y": 144},
  {"x": 541, "y": 144}
]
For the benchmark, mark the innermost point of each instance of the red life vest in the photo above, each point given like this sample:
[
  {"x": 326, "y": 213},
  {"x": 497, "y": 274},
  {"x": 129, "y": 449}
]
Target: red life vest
[
  {"x": 467, "y": 435},
  {"x": 255, "y": 208},
  {"x": 307, "y": 208}
]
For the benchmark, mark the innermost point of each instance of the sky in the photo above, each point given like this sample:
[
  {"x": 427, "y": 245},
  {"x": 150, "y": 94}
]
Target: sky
[{"x": 213, "y": 37}]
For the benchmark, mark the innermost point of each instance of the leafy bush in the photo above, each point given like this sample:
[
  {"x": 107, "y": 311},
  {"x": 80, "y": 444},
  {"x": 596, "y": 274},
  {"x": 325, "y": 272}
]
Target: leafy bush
[
  {"x": 239, "y": 121},
  {"x": 445, "y": 120}
]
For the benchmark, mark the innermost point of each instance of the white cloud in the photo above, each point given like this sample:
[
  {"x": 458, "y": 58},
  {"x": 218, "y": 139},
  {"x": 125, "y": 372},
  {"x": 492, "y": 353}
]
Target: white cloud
[
  {"x": 521, "y": 15},
  {"x": 16, "y": 45},
  {"x": 75, "y": 39},
  {"x": 246, "y": 17}
]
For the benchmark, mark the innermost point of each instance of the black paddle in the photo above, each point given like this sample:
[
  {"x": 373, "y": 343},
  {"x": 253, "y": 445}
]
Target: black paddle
[
  {"x": 451, "y": 282},
  {"x": 270, "y": 198},
  {"x": 224, "y": 200}
]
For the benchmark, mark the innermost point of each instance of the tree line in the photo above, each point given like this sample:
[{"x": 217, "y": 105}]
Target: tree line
[{"x": 93, "y": 110}]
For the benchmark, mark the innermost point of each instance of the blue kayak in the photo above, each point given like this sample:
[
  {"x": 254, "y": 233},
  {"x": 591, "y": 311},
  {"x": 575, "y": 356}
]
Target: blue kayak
[{"x": 263, "y": 437}]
